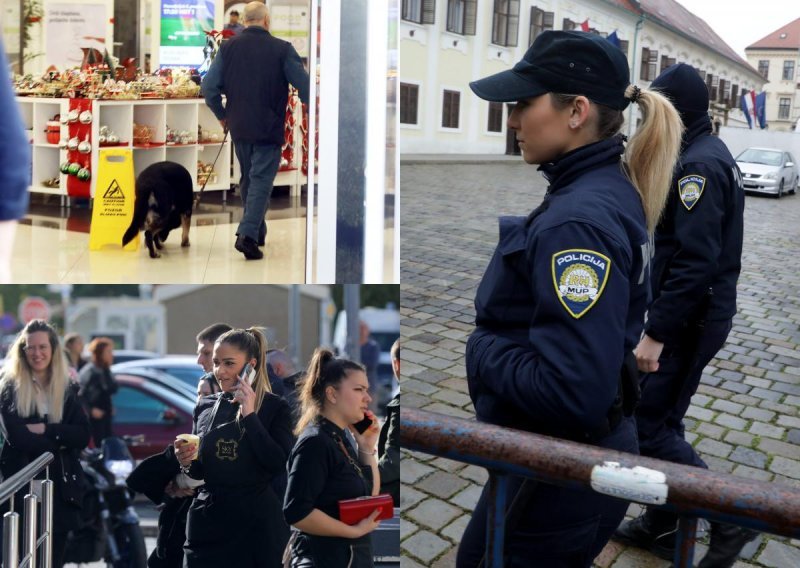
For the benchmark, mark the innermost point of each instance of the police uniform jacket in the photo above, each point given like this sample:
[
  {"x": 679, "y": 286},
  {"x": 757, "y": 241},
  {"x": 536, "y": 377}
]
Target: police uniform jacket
[
  {"x": 563, "y": 301},
  {"x": 235, "y": 519},
  {"x": 698, "y": 243}
]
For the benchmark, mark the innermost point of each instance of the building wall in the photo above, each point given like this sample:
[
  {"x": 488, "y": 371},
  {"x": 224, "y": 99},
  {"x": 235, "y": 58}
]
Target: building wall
[
  {"x": 778, "y": 88},
  {"x": 240, "y": 306},
  {"x": 435, "y": 59}
]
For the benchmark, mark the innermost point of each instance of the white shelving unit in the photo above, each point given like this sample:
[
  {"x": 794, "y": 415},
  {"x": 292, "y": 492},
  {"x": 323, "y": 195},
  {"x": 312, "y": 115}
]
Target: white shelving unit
[{"x": 120, "y": 116}]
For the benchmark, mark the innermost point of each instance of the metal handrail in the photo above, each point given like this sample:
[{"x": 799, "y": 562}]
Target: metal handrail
[
  {"x": 31, "y": 541},
  {"x": 691, "y": 492}
]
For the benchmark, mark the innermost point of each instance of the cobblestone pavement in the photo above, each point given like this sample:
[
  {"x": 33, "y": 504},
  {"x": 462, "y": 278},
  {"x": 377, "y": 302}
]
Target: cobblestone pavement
[{"x": 744, "y": 418}]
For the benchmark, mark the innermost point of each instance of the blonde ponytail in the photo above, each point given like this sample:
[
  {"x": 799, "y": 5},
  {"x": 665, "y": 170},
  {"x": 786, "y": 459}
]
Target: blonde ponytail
[{"x": 653, "y": 150}]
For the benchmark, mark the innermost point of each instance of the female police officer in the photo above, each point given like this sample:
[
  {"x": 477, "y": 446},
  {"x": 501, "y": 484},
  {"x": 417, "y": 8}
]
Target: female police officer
[{"x": 561, "y": 305}]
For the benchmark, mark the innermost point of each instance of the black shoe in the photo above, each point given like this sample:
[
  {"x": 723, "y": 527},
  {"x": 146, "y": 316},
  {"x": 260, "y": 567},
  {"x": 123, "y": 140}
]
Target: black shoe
[
  {"x": 262, "y": 241},
  {"x": 248, "y": 247},
  {"x": 727, "y": 541},
  {"x": 650, "y": 532}
]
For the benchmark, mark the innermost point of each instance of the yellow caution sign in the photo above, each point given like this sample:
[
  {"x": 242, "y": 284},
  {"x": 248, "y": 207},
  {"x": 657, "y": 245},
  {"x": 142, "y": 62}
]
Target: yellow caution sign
[{"x": 114, "y": 196}]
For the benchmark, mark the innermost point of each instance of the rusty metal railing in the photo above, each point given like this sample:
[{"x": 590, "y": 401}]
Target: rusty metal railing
[{"x": 691, "y": 492}]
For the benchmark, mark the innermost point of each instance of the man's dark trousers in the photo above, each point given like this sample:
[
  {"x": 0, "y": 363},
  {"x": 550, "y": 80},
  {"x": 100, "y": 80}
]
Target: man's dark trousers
[{"x": 259, "y": 164}]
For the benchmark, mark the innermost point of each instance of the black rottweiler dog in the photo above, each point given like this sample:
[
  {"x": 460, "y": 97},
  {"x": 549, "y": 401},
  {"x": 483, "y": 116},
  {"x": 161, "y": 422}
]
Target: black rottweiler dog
[{"x": 164, "y": 195}]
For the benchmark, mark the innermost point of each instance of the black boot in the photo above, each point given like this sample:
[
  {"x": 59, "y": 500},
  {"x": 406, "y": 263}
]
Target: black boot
[
  {"x": 248, "y": 247},
  {"x": 727, "y": 541},
  {"x": 653, "y": 530}
]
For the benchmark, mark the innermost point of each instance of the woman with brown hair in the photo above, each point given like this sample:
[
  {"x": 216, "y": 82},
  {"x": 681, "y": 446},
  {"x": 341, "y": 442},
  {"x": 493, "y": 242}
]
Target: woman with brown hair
[
  {"x": 97, "y": 388},
  {"x": 561, "y": 305},
  {"x": 245, "y": 437},
  {"x": 41, "y": 413},
  {"x": 325, "y": 468}
]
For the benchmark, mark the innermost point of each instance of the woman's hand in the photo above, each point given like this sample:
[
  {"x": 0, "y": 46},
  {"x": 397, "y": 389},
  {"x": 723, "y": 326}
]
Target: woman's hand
[
  {"x": 246, "y": 397},
  {"x": 177, "y": 492},
  {"x": 367, "y": 525},
  {"x": 96, "y": 413},
  {"x": 184, "y": 451},
  {"x": 647, "y": 353},
  {"x": 369, "y": 439},
  {"x": 37, "y": 428}
]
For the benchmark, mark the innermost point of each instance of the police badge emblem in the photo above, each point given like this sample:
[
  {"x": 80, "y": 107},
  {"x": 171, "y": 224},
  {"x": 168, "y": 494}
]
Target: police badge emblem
[
  {"x": 690, "y": 188},
  {"x": 227, "y": 449},
  {"x": 580, "y": 276}
]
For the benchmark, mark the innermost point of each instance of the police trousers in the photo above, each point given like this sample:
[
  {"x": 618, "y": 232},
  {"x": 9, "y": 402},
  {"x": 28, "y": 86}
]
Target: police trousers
[
  {"x": 667, "y": 393},
  {"x": 559, "y": 527}
]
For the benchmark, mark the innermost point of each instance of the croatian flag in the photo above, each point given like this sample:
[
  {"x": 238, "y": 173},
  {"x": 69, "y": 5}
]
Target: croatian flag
[
  {"x": 585, "y": 25},
  {"x": 754, "y": 108}
]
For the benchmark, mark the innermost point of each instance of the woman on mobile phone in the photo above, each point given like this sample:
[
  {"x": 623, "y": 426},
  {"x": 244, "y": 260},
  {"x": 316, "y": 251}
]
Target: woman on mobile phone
[
  {"x": 245, "y": 437},
  {"x": 325, "y": 468}
]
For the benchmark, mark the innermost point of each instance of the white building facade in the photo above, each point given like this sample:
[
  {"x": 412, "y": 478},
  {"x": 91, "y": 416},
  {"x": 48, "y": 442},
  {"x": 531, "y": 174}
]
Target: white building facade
[{"x": 445, "y": 44}]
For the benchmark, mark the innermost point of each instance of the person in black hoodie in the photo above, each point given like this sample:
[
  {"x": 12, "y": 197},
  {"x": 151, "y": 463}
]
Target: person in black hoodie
[
  {"x": 698, "y": 250},
  {"x": 561, "y": 305},
  {"x": 41, "y": 413},
  {"x": 97, "y": 388}
]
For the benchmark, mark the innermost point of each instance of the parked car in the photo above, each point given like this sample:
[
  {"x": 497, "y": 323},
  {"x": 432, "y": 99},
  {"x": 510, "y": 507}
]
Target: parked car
[
  {"x": 161, "y": 378},
  {"x": 183, "y": 367},
  {"x": 144, "y": 407},
  {"x": 768, "y": 170}
]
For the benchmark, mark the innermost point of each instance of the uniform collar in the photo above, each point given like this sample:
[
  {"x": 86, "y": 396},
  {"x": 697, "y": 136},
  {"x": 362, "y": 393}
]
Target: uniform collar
[
  {"x": 568, "y": 167},
  {"x": 696, "y": 129}
]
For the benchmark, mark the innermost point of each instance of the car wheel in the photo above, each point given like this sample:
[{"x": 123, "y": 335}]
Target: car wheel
[
  {"x": 780, "y": 190},
  {"x": 794, "y": 185}
]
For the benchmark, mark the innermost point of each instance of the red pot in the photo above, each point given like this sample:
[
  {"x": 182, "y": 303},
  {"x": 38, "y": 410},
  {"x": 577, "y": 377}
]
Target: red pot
[{"x": 53, "y": 132}]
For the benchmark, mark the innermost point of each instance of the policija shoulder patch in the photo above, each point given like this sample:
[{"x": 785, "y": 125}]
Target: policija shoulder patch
[
  {"x": 690, "y": 188},
  {"x": 580, "y": 276}
]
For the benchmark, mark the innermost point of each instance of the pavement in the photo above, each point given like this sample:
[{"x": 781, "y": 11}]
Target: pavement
[{"x": 744, "y": 419}]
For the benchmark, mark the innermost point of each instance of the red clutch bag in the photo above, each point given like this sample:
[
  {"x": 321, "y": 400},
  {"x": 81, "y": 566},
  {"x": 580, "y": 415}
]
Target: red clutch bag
[{"x": 353, "y": 511}]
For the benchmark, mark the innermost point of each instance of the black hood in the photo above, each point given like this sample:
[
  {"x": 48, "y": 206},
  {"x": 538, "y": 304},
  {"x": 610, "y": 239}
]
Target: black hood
[{"x": 688, "y": 92}]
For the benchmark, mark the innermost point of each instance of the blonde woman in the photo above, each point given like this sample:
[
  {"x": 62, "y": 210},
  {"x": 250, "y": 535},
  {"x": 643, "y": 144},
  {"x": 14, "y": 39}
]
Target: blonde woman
[
  {"x": 561, "y": 305},
  {"x": 245, "y": 438},
  {"x": 41, "y": 413},
  {"x": 324, "y": 467}
]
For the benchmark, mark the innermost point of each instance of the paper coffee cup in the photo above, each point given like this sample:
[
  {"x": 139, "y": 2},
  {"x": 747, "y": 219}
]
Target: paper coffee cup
[{"x": 192, "y": 439}]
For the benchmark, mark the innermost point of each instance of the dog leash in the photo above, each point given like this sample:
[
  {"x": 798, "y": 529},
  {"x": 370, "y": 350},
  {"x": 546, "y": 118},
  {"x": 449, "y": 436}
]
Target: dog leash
[{"x": 213, "y": 165}]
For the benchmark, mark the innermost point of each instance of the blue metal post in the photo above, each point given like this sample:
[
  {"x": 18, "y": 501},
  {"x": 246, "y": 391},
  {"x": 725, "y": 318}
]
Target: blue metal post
[
  {"x": 496, "y": 525},
  {"x": 684, "y": 544}
]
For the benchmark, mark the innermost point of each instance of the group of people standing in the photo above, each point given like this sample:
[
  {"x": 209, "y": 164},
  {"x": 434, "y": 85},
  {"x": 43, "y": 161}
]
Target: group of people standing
[
  {"x": 259, "y": 467},
  {"x": 621, "y": 285}
]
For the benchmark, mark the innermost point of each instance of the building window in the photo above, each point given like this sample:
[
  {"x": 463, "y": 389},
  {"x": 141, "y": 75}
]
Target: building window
[
  {"x": 461, "y": 15},
  {"x": 649, "y": 70},
  {"x": 763, "y": 68},
  {"x": 568, "y": 25},
  {"x": 783, "y": 109},
  {"x": 450, "y": 109},
  {"x": 540, "y": 21},
  {"x": 667, "y": 62},
  {"x": 495, "y": 117},
  {"x": 419, "y": 11},
  {"x": 623, "y": 45},
  {"x": 733, "y": 102},
  {"x": 702, "y": 73},
  {"x": 506, "y": 22},
  {"x": 713, "y": 88},
  {"x": 788, "y": 70},
  {"x": 409, "y": 100}
]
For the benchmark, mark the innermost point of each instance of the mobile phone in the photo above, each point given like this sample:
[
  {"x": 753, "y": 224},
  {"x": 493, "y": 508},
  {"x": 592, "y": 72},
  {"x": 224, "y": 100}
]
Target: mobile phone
[
  {"x": 362, "y": 425},
  {"x": 248, "y": 374}
]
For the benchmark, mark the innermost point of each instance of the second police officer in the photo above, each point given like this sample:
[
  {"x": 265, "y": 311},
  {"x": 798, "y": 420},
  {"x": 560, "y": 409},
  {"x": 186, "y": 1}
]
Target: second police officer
[
  {"x": 561, "y": 305},
  {"x": 698, "y": 250}
]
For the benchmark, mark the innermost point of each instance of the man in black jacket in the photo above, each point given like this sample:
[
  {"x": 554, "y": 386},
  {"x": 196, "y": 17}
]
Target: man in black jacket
[
  {"x": 97, "y": 387},
  {"x": 254, "y": 70},
  {"x": 389, "y": 440},
  {"x": 696, "y": 263}
]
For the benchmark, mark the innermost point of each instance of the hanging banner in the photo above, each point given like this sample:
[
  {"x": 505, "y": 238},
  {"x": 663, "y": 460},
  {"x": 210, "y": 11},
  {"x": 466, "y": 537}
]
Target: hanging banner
[
  {"x": 115, "y": 192},
  {"x": 184, "y": 24},
  {"x": 72, "y": 27}
]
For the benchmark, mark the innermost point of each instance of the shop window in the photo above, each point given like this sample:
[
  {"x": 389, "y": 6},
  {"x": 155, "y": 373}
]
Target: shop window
[
  {"x": 783, "y": 109},
  {"x": 419, "y": 11},
  {"x": 450, "y": 109},
  {"x": 763, "y": 68},
  {"x": 495, "y": 117},
  {"x": 506, "y": 22},
  {"x": 461, "y": 16},
  {"x": 788, "y": 70},
  {"x": 409, "y": 100},
  {"x": 649, "y": 69},
  {"x": 540, "y": 21}
]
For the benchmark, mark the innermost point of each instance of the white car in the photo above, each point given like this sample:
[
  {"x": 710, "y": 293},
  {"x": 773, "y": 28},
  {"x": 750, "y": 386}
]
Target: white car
[{"x": 768, "y": 170}]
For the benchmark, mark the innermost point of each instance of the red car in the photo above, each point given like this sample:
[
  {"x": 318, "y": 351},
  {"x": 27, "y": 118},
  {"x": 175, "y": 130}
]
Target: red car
[{"x": 152, "y": 411}]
